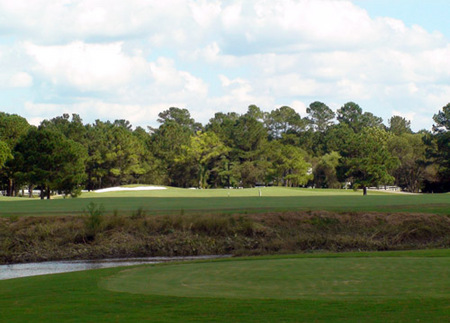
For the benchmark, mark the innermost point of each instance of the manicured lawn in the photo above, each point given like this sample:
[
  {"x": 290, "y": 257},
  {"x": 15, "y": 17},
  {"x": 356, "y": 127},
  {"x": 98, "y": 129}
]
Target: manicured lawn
[
  {"x": 294, "y": 278},
  {"x": 245, "y": 200},
  {"x": 247, "y": 192},
  {"x": 348, "y": 287}
]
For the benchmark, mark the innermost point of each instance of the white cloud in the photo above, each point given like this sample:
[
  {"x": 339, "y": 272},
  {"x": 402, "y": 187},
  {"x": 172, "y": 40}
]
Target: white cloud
[
  {"x": 139, "y": 55},
  {"x": 407, "y": 115},
  {"x": 138, "y": 115},
  {"x": 46, "y": 21},
  {"x": 44, "y": 110},
  {"x": 291, "y": 85},
  {"x": 21, "y": 79},
  {"x": 237, "y": 89},
  {"x": 88, "y": 67},
  {"x": 300, "y": 107},
  {"x": 205, "y": 12},
  {"x": 36, "y": 121},
  {"x": 172, "y": 84}
]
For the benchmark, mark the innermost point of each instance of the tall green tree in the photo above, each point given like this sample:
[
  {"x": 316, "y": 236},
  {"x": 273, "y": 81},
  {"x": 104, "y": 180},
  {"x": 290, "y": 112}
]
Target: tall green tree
[
  {"x": 124, "y": 155},
  {"x": 51, "y": 161},
  {"x": 410, "y": 150},
  {"x": 117, "y": 154},
  {"x": 97, "y": 148},
  {"x": 153, "y": 168},
  {"x": 442, "y": 120},
  {"x": 204, "y": 149},
  {"x": 441, "y": 153},
  {"x": 320, "y": 116},
  {"x": 325, "y": 171},
  {"x": 223, "y": 126},
  {"x": 5, "y": 153},
  {"x": 295, "y": 169},
  {"x": 352, "y": 115},
  {"x": 370, "y": 163},
  {"x": 253, "y": 111},
  {"x": 287, "y": 165},
  {"x": 248, "y": 138},
  {"x": 338, "y": 138},
  {"x": 168, "y": 144},
  {"x": 12, "y": 128},
  {"x": 369, "y": 120},
  {"x": 399, "y": 125},
  {"x": 248, "y": 173},
  {"x": 283, "y": 120},
  {"x": 181, "y": 117},
  {"x": 72, "y": 129}
]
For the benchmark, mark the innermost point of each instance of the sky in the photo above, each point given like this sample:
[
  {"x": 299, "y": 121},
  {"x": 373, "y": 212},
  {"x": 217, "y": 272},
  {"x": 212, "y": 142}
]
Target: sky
[{"x": 114, "y": 59}]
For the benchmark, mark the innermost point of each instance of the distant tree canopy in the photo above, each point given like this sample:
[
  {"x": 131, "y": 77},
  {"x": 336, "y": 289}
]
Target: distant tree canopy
[
  {"x": 5, "y": 153},
  {"x": 279, "y": 147}
]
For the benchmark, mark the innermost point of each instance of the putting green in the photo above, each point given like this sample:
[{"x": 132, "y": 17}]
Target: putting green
[{"x": 292, "y": 278}]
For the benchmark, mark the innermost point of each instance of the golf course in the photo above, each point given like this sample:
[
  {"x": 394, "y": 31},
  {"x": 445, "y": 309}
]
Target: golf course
[
  {"x": 298, "y": 255},
  {"x": 175, "y": 200}
]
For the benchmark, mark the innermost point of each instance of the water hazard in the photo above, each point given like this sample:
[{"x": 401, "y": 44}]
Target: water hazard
[{"x": 55, "y": 267}]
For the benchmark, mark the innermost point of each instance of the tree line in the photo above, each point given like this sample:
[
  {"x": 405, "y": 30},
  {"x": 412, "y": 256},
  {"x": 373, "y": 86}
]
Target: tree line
[{"x": 324, "y": 149}]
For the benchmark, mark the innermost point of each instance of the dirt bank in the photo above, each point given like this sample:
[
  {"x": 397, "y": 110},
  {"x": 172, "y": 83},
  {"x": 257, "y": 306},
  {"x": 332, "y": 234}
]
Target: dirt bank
[{"x": 25, "y": 239}]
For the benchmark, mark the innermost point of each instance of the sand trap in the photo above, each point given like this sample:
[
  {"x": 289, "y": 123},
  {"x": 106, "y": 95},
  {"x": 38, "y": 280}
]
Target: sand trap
[{"x": 138, "y": 188}]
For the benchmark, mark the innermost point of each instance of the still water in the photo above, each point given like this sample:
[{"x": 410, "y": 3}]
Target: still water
[{"x": 54, "y": 267}]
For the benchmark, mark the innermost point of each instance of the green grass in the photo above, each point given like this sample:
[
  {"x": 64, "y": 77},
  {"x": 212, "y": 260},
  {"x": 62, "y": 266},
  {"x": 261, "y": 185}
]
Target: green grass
[
  {"x": 248, "y": 192},
  {"x": 348, "y": 287},
  {"x": 245, "y": 200},
  {"x": 295, "y": 278}
]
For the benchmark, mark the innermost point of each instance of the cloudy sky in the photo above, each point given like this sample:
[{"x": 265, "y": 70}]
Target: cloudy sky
[{"x": 115, "y": 59}]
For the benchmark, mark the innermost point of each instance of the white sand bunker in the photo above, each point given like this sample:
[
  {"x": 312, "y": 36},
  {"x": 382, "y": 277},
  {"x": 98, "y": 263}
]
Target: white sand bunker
[{"x": 137, "y": 188}]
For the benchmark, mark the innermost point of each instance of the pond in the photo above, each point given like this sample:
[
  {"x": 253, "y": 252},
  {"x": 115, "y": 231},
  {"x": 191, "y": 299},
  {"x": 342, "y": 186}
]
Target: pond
[{"x": 55, "y": 267}]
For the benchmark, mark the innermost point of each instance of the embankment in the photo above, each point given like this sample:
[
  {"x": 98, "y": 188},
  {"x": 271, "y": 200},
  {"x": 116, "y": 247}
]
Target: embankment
[{"x": 93, "y": 236}]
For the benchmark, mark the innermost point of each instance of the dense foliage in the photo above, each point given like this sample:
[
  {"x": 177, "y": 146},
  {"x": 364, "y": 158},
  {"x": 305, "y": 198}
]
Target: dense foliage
[{"x": 232, "y": 150}]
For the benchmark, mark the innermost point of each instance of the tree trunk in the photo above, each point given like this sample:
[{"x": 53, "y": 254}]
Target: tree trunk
[
  {"x": 365, "y": 190},
  {"x": 10, "y": 187},
  {"x": 48, "y": 193}
]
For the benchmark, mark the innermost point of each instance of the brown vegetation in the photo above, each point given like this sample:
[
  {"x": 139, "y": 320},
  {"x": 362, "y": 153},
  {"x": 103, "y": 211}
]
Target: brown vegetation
[{"x": 26, "y": 239}]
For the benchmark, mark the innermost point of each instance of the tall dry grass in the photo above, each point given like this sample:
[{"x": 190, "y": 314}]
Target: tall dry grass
[{"x": 99, "y": 235}]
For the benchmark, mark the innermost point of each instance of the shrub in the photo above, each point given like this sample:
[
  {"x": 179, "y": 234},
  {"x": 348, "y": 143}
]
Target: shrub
[{"x": 93, "y": 220}]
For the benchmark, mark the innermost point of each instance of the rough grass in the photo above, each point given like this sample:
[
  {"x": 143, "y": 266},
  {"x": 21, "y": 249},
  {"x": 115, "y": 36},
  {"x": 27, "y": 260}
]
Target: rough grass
[
  {"x": 80, "y": 296},
  {"x": 24, "y": 239}
]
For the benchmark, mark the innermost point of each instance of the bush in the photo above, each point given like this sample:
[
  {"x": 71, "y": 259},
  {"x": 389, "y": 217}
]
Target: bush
[{"x": 93, "y": 220}]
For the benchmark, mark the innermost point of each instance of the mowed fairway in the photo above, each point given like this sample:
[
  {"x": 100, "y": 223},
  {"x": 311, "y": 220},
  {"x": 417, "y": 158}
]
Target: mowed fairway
[
  {"x": 292, "y": 278},
  {"x": 349, "y": 287},
  {"x": 174, "y": 200}
]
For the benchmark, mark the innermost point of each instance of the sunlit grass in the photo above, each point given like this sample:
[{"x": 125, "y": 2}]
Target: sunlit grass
[
  {"x": 176, "y": 200},
  {"x": 293, "y": 278},
  {"x": 370, "y": 287},
  {"x": 247, "y": 192}
]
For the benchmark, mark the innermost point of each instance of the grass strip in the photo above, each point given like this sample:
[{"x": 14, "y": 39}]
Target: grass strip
[{"x": 433, "y": 203}]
